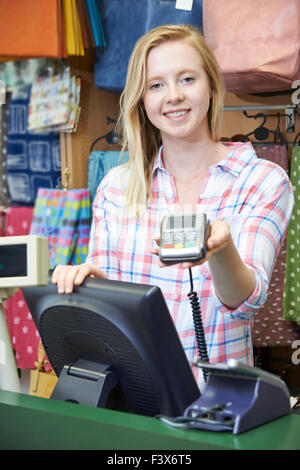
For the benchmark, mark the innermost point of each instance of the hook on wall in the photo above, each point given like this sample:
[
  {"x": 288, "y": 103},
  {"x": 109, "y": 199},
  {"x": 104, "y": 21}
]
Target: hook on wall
[{"x": 111, "y": 137}]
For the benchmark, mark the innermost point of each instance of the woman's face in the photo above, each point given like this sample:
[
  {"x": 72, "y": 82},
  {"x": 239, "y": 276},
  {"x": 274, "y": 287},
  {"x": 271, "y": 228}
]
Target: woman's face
[{"x": 177, "y": 92}]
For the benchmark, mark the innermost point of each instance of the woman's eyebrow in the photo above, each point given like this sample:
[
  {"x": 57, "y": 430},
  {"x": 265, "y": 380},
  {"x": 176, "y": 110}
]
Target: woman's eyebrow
[{"x": 181, "y": 72}]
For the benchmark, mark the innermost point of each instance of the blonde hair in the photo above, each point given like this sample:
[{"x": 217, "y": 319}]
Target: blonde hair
[{"x": 140, "y": 137}]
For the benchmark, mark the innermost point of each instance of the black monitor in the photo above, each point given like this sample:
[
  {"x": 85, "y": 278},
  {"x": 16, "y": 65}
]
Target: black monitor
[{"x": 114, "y": 344}]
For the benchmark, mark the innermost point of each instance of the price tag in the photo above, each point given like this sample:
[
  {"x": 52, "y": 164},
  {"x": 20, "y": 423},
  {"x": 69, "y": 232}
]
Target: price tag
[{"x": 184, "y": 5}]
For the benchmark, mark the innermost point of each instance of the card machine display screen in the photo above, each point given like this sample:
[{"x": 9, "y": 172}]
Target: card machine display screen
[{"x": 13, "y": 260}]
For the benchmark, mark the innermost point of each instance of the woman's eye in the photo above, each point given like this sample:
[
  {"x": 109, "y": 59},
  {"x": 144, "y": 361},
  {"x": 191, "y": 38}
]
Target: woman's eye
[
  {"x": 155, "y": 86},
  {"x": 188, "y": 79}
]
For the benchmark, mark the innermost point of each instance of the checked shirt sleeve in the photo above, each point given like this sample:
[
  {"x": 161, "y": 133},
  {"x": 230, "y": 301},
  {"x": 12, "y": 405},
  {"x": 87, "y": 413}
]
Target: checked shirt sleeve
[
  {"x": 262, "y": 232},
  {"x": 101, "y": 246}
]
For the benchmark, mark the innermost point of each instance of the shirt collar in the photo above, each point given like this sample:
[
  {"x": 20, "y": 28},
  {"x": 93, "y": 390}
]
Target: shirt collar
[
  {"x": 158, "y": 162},
  {"x": 241, "y": 155}
]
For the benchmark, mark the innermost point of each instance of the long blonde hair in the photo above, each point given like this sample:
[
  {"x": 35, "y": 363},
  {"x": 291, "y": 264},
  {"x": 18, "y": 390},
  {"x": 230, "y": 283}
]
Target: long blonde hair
[{"x": 140, "y": 138}]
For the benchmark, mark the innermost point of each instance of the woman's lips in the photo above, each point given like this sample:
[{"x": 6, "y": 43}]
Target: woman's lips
[{"x": 178, "y": 114}]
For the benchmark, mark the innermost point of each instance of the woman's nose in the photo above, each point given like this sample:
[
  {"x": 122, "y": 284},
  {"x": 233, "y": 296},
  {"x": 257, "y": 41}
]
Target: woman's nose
[{"x": 173, "y": 93}]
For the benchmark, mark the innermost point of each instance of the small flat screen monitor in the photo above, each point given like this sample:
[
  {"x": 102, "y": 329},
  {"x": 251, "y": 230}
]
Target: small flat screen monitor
[
  {"x": 114, "y": 344},
  {"x": 24, "y": 261}
]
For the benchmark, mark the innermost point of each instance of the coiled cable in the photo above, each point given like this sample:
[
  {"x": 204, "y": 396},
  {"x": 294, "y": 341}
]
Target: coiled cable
[{"x": 198, "y": 325}]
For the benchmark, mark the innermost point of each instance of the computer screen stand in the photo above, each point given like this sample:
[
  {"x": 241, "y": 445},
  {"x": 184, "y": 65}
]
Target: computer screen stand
[{"x": 85, "y": 382}]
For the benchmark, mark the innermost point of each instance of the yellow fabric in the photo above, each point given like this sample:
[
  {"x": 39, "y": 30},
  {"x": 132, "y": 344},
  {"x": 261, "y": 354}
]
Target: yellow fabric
[{"x": 74, "y": 40}]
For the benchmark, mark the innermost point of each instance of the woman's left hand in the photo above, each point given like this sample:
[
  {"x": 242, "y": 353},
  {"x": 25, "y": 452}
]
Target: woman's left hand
[{"x": 218, "y": 238}]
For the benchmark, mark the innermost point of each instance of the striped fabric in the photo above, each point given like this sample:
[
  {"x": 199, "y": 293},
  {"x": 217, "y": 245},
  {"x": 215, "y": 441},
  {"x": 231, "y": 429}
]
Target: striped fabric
[{"x": 253, "y": 195}]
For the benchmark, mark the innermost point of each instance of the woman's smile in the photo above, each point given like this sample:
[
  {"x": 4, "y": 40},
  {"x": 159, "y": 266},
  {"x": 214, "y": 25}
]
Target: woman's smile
[{"x": 176, "y": 115}]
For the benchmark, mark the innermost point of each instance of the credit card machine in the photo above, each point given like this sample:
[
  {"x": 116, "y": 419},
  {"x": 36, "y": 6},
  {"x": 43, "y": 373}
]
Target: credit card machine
[{"x": 183, "y": 237}]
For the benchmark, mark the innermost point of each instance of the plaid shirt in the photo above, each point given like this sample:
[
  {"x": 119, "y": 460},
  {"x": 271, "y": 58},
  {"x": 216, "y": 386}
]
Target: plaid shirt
[{"x": 253, "y": 195}]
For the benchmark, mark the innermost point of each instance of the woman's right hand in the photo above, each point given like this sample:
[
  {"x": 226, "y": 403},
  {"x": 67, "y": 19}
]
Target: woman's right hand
[{"x": 67, "y": 276}]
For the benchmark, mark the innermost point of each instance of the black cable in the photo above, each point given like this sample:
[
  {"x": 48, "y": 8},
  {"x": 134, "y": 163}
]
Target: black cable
[
  {"x": 198, "y": 325},
  {"x": 197, "y": 422}
]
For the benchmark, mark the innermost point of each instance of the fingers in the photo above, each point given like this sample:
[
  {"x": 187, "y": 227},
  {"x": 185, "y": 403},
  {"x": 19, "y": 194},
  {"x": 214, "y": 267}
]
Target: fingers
[
  {"x": 66, "y": 277},
  {"x": 155, "y": 249},
  {"x": 219, "y": 235}
]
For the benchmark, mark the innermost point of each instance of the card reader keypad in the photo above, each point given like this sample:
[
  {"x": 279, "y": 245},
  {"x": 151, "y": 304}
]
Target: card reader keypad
[{"x": 180, "y": 239}]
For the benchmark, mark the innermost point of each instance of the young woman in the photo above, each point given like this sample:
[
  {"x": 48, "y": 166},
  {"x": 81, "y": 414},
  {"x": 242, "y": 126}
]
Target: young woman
[{"x": 170, "y": 116}]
